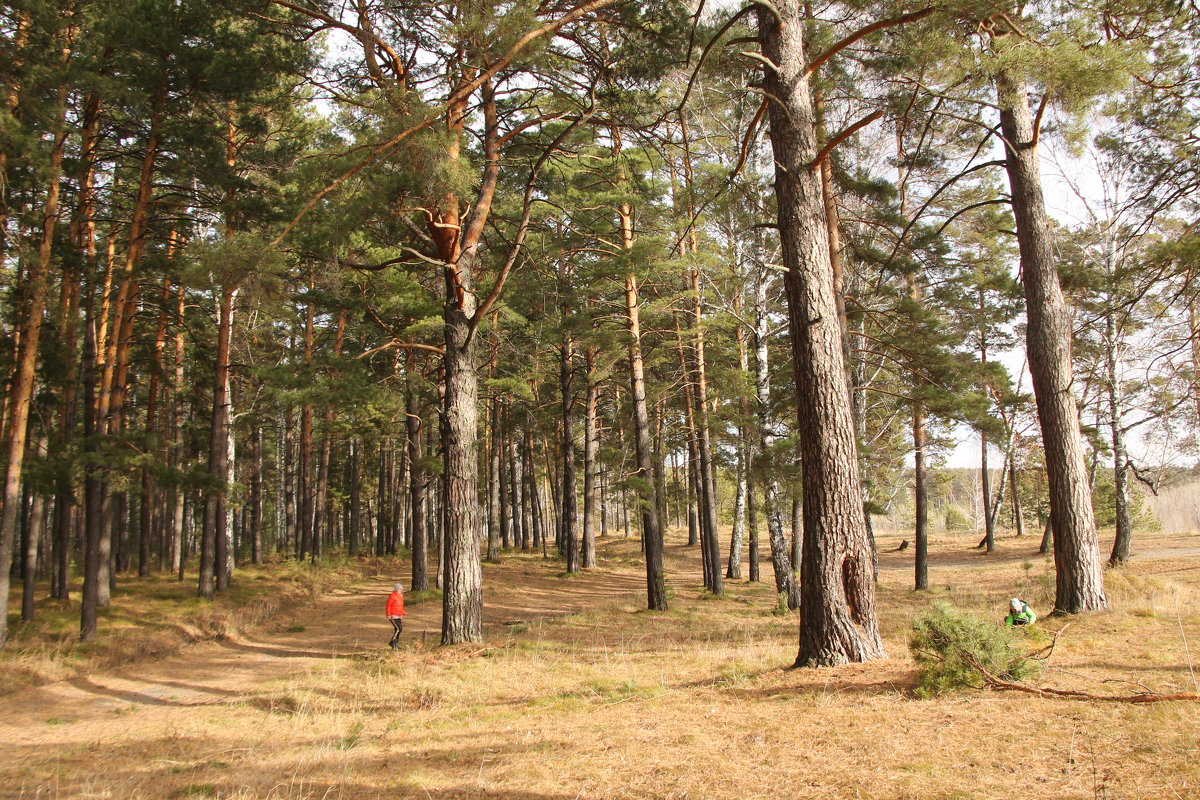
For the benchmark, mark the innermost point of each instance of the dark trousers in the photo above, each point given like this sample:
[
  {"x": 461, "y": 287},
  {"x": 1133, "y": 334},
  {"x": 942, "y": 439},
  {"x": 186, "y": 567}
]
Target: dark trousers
[{"x": 398, "y": 624}]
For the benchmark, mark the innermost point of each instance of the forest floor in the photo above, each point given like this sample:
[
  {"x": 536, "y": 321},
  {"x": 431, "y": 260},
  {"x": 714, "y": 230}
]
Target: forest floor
[{"x": 578, "y": 693}]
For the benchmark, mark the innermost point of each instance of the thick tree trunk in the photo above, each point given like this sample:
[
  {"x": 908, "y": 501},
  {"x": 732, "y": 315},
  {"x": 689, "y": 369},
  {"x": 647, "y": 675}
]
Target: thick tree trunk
[
  {"x": 462, "y": 596},
  {"x": 1080, "y": 574},
  {"x": 837, "y": 614}
]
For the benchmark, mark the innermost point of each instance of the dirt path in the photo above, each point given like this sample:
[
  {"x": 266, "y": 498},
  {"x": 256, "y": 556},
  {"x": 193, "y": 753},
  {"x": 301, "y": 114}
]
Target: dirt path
[{"x": 339, "y": 625}]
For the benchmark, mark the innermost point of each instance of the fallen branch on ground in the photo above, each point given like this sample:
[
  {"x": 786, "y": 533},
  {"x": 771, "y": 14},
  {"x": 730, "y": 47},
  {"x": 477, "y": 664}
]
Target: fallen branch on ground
[{"x": 1071, "y": 694}]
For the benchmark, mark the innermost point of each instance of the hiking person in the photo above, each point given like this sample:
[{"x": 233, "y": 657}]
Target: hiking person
[
  {"x": 395, "y": 613},
  {"x": 1019, "y": 613}
]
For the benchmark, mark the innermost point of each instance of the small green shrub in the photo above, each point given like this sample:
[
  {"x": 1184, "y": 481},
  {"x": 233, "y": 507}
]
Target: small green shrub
[{"x": 945, "y": 641}]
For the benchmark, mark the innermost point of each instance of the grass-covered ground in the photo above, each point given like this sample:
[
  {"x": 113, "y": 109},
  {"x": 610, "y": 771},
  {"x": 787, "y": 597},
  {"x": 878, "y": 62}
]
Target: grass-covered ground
[{"x": 578, "y": 693}]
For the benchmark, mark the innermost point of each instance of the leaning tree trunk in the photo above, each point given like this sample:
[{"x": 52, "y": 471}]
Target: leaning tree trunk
[
  {"x": 1080, "y": 574},
  {"x": 837, "y": 606}
]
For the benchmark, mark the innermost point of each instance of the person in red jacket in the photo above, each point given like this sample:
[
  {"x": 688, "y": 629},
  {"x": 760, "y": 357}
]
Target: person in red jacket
[{"x": 395, "y": 613}]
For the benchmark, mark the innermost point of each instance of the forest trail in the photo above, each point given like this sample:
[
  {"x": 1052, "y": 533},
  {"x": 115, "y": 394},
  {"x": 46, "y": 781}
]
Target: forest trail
[
  {"x": 349, "y": 623},
  {"x": 579, "y": 693},
  {"x": 342, "y": 624}
]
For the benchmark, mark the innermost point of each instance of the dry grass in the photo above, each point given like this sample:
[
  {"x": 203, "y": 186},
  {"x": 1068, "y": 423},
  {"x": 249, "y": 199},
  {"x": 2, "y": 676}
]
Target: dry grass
[
  {"x": 580, "y": 694},
  {"x": 155, "y": 616}
]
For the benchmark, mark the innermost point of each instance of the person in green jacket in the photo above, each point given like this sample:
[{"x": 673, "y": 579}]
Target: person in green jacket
[{"x": 1019, "y": 613}]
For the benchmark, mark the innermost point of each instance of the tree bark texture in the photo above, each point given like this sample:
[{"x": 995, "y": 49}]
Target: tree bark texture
[
  {"x": 837, "y": 607},
  {"x": 1079, "y": 571},
  {"x": 462, "y": 592}
]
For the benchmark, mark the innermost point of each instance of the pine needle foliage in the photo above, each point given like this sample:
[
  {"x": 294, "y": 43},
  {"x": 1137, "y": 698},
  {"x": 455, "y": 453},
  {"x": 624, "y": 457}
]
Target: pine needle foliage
[{"x": 950, "y": 647}]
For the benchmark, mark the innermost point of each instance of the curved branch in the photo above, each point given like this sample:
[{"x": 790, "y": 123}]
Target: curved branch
[
  {"x": 841, "y": 137},
  {"x": 882, "y": 24}
]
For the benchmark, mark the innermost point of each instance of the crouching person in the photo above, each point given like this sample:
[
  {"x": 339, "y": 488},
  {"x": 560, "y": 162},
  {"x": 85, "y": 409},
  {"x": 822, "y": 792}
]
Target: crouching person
[{"x": 1019, "y": 613}]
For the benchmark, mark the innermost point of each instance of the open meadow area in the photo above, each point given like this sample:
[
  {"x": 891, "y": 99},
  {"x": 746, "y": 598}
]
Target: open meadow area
[{"x": 578, "y": 692}]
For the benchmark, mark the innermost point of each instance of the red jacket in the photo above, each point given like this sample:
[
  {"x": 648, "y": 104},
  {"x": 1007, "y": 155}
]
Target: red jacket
[{"x": 395, "y": 605}]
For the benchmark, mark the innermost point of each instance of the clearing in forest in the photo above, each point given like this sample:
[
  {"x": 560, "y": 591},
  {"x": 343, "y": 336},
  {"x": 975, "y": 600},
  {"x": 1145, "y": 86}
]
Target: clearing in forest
[{"x": 578, "y": 693}]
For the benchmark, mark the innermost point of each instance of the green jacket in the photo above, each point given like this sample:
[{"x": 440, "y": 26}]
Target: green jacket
[{"x": 1023, "y": 617}]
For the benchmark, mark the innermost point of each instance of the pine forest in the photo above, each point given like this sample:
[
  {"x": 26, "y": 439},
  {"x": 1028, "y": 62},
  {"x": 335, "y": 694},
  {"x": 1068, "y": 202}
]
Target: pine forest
[{"x": 655, "y": 352}]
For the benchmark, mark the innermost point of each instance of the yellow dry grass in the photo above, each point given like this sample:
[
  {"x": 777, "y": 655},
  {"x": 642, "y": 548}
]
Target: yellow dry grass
[
  {"x": 154, "y": 616},
  {"x": 580, "y": 694}
]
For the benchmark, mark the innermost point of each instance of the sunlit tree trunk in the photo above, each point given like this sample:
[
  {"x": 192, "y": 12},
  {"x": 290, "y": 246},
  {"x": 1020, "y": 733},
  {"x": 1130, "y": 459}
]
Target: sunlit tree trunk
[
  {"x": 837, "y": 610},
  {"x": 20, "y": 395},
  {"x": 656, "y": 584},
  {"x": 1080, "y": 574}
]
